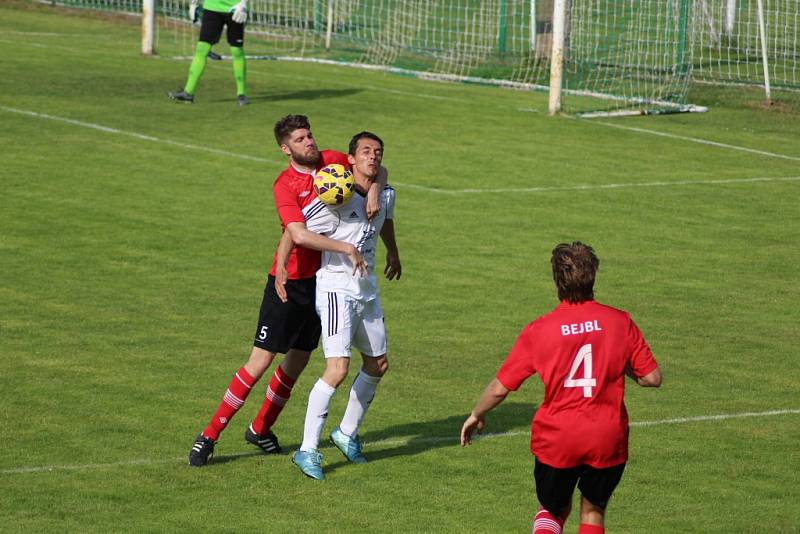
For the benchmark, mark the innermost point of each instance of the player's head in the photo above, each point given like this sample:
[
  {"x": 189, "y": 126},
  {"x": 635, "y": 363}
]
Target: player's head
[
  {"x": 294, "y": 137},
  {"x": 574, "y": 268},
  {"x": 365, "y": 154}
]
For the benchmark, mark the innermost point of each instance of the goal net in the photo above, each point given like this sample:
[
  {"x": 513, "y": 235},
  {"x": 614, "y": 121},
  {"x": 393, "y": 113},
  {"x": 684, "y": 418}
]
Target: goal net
[
  {"x": 638, "y": 55},
  {"x": 729, "y": 48},
  {"x": 631, "y": 55},
  {"x": 621, "y": 53}
]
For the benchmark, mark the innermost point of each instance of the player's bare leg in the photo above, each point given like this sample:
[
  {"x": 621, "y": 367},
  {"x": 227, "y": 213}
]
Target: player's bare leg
[
  {"x": 335, "y": 371},
  {"x": 373, "y": 366},
  {"x": 295, "y": 362},
  {"x": 592, "y": 518},
  {"x": 259, "y": 362}
]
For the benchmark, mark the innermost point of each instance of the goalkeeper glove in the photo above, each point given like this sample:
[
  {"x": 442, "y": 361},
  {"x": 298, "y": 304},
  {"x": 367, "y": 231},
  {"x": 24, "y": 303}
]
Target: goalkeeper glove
[
  {"x": 240, "y": 12},
  {"x": 193, "y": 11}
]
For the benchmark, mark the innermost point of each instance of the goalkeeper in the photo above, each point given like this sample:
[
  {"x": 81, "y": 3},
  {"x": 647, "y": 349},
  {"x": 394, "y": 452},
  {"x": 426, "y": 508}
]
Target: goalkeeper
[{"x": 216, "y": 14}]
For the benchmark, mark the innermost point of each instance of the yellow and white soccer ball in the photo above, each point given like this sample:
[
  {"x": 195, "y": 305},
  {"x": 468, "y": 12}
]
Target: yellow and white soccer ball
[{"x": 334, "y": 184}]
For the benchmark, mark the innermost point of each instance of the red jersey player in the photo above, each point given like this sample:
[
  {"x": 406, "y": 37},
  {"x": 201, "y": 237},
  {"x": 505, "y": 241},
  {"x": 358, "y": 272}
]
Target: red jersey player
[
  {"x": 582, "y": 351},
  {"x": 289, "y": 326}
]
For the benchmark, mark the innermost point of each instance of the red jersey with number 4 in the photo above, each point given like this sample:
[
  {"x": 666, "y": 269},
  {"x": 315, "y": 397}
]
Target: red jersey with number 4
[
  {"x": 580, "y": 351},
  {"x": 293, "y": 190}
]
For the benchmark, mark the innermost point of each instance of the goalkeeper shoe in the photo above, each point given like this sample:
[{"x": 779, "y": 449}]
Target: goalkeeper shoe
[
  {"x": 268, "y": 443},
  {"x": 350, "y": 446},
  {"x": 202, "y": 451},
  {"x": 181, "y": 96},
  {"x": 309, "y": 463},
  {"x": 243, "y": 100}
]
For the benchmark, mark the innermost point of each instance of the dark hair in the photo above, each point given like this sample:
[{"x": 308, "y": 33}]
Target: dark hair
[
  {"x": 362, "y": 135},
  {"x": 288, "y": 124},
  {"x": 574, "y": 268}
]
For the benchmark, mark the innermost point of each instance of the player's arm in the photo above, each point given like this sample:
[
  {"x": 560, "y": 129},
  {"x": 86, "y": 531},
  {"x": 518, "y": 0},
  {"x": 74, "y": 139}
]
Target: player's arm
[
  {"x": 492, "y": 396},
  {"x": 374, "y": 193},
  {"x": 650, "y": 380},
  {"x": 393, "y": 268},
  {"x": 303, "y": 237},
  {"x": 281, "y": 258}
]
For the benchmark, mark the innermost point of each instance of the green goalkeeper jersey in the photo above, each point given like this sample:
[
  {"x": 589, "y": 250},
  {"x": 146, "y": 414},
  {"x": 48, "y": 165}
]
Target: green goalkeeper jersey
[{"x": 220, "y": 6}]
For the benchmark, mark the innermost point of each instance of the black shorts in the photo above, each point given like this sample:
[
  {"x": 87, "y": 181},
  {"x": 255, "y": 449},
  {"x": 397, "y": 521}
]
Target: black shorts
[
  {"x": 211, "y": 28},
  {"x": 554, "y": 486},
  {"x": 291, "y": 325}
]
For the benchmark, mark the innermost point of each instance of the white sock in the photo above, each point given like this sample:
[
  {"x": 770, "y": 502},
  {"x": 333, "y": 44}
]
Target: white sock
[
  {"x": 316, "y": 414},
  {"x": 361, "y": 395}
]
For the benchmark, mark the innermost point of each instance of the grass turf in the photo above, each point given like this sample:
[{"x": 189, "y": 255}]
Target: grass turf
[{"x": 133, "y": 262}]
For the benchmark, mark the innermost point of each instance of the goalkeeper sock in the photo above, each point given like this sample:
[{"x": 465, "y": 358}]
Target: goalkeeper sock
[
  {"x": 234, "y": 398},
  {"x": 198, "y": 66},
  {"x": 239, "y": 68}
]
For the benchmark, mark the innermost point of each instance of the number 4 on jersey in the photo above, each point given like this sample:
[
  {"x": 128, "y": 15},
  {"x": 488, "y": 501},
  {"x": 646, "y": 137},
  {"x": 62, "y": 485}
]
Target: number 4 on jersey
[{"x": 587, "y": 382}]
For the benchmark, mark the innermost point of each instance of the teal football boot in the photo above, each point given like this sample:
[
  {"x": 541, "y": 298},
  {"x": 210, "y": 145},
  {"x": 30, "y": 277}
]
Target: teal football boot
[
  {"x": 309, "y": 463},
  {"x": 350, "y": 446}
]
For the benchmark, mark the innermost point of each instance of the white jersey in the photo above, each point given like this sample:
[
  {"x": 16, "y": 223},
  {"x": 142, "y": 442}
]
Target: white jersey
[{"x": 349, "y": 223}]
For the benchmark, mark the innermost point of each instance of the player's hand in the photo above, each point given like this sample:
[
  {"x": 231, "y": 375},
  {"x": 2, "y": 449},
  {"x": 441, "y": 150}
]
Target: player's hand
[
  {"x": 193, "y": 11},
  {"x": 281, "y": 275},
  {"x": 471, "y": 425},
  {"x": 393, "y": 268},
  {"x": 240, "y": 12},
  {"x": 358, "y": 261}
]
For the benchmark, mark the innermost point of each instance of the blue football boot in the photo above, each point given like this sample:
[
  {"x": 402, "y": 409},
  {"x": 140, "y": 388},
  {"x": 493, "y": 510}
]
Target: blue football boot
[
  {"x": 350, "y": 446},
  {"x": 309, "y": 463}
]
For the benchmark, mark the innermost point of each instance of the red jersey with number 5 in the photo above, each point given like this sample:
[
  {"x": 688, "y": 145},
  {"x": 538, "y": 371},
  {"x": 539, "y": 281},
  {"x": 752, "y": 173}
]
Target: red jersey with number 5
[
  {"x": 293, "y": 190},
  {"x": 580, "y": 351}
]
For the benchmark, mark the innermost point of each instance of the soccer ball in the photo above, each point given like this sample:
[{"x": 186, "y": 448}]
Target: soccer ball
[{"x": 334, "y": 184}]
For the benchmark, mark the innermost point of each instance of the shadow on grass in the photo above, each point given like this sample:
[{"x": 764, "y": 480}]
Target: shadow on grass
[
  {"x": 309, "y": 94},
  {"x": 420, "y": 436},
  {"x": 406, "y": 439}
]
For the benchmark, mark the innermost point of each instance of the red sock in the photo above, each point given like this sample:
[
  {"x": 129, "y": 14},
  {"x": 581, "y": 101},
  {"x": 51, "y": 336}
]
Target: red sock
[
  {"x": 586, "y": 528},
  {"x": 545, "y": 523},
  {"x": 234, "y": 398},
  {"x": 278, "y": 392}
]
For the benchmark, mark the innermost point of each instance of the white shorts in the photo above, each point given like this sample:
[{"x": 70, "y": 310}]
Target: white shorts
[{"x": 351, "y": 323}]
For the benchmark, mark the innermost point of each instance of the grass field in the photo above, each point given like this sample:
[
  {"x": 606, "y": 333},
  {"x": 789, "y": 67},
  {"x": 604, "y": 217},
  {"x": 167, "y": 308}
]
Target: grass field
[{"x": 135, "y": 235}]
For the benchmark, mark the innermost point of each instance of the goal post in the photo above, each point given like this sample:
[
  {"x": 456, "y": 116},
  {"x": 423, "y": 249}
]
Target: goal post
[
  {"x": 557, "y": 56},
  {"x": 148, "y": 26}
]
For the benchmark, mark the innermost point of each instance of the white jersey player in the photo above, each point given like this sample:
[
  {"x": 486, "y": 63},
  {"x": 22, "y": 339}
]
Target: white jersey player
[
  {"x": 349, "y": 306},
  {"x": 349, "y": 223}
]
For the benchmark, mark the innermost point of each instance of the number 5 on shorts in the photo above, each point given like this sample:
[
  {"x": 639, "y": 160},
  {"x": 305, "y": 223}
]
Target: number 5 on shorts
[{"x": 587, "y": 382}]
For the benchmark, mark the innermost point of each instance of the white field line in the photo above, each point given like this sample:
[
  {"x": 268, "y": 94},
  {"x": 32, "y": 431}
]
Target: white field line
[
  {"x": 599, "y": 186},
  {"x": 55, "y": 34},
  {"x": 398, "y": 442},
  {"x": 543, "y": 189},
  {"x": 698, "y": 140},
  {"x": 142, "y": 137},
  {"x": 41, "y": 45}
]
